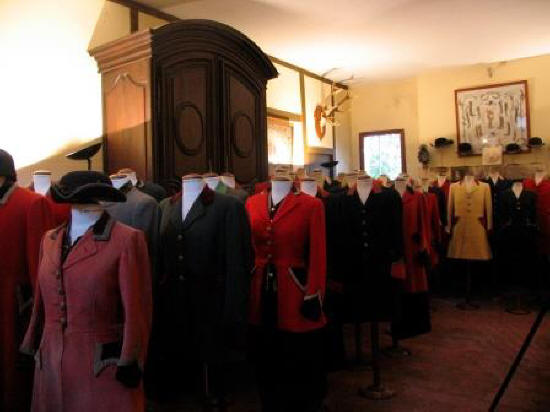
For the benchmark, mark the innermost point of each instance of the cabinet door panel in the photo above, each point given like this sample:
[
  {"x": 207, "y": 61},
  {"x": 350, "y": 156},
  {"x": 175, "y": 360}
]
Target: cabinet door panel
[{"x": 189, "y": 120}]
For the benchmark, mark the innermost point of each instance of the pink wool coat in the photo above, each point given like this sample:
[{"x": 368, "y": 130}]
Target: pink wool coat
[{"x": 91, "y": 313}]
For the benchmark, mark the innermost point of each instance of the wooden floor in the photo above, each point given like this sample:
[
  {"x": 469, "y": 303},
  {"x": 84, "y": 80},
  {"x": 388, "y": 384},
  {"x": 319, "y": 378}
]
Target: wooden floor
[{"x": 457, "y": 367}]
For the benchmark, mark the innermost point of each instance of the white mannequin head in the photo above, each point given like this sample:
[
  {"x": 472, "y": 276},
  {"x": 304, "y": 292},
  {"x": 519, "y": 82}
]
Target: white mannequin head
[
  {"x": 228, "y": 179},
  {"x": 280, "y": 187},
  {"x": 82, "y": 218},
  {"x": 400, "y": 185},
  {"x": 211, "y": 179},
  {"x": 42, "y": 180},
  {"x": 191, "y": 187},
  {"x": 119, "y": 180},
  {"x": 364, "y": 187},
  {"x": 308, "y": 185}
]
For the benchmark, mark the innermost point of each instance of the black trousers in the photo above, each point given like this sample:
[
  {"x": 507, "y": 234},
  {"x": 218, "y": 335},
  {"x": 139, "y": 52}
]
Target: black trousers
[{"x": 290, "y": 369}]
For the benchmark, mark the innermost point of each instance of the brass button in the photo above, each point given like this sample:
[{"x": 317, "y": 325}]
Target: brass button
[
  {"x": 269, "y": 228},
  {"x": 58, "y": 274},
  {"x": 180, "y": 257},
  {"x": 63, "y": 305},
  {"x": 61, "y": 291},
  {"x": 63, "y": 321},
  {"x": 180, "y": 237},
  {"x": 269, "y": 242},
  {"x": 364, "y": 222},
  {"x": 365, "y": 244},
  {"x": 181, "y": 277}
]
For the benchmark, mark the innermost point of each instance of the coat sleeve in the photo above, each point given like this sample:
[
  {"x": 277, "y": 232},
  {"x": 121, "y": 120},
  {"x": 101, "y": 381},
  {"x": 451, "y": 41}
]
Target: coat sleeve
[
  {"x": 450, "y": 209},
  {"x": 147, "y": 219},
  {"x": 317, "y": 267},
  {"x": 488, "y": 203},
  {"x": 135, "y": 290},
  {"x": 39, "y": 220},
  {"x": 31, "y": 341}
]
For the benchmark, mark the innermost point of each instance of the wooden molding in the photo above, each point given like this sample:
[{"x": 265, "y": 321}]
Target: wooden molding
[
  {"x": 307, "y": 73},
  {"x": 281, "y": 114},
  {"x": 320, "y": 150},
  {"x": 132, "y": 4}
]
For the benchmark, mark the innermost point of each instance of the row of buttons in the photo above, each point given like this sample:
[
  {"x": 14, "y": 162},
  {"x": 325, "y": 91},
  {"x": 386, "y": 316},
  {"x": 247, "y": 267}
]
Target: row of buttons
[{"x": 63, "y": 303}]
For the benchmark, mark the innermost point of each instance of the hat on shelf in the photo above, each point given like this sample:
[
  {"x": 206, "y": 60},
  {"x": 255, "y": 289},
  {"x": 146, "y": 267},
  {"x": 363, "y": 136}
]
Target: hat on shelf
[
  {"x": 83, "y": 186},
  {"x": 442, "y": 142},
  {"x": 512, "y": 148},
  {"x": 7, "y": 168},
  {"x": 535, "y": 142},
  {"x": 330, "y": 164},
  {"x": 465, "y": 148}
]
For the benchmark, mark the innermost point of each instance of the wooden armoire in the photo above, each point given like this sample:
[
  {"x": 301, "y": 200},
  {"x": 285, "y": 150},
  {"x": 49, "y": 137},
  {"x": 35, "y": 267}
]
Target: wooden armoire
[{"x": 187, "y": 97}]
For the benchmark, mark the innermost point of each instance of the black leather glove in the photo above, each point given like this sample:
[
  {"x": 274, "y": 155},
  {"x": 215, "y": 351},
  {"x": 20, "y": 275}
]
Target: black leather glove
[{"x": 129, "y": 375}]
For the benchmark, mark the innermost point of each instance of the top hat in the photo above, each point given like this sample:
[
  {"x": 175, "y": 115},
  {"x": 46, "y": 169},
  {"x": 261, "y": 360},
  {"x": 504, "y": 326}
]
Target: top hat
[
  {"x": 465, "y": 148},
  {"x": 512, "y": 148},
  {"x": 7, "y": 168},
  {"x": 535, "y": 142},
  {"x": 83, "y": 186},
  {"x": 442, "y": 142},
  {"x": 330, "y": 164},
  {"x": 85, "y": 154}
]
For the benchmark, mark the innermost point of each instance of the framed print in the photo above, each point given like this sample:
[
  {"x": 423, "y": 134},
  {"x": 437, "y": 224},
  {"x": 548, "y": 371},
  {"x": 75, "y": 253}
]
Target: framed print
[
  {"x": 280, "y": 141},
  {"x": 491, "y": 156},
  {"x": 493, "y": 115}
]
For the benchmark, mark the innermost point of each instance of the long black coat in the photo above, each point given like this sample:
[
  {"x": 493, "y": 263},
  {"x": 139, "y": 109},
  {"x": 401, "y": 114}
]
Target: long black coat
[
  {"x": 371, "y": 239},
  {"x": 497, "y": 190},
  {"x": 205, "y": 287}
]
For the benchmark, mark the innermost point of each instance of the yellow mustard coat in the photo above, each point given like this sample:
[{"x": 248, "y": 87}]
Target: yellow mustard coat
[{"x": 470, "y": 212}]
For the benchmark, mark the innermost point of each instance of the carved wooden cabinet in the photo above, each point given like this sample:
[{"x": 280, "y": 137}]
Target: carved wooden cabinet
[{"x": 186, "y": 97}]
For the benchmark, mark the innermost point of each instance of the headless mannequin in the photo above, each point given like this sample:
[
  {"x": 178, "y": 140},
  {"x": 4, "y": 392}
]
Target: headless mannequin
[
  {"x": 517, "y": 188},
  {"x": 309, "y": 186},
  {"x": 469, "y": 182},
  {"x": 364, "y": 187},
  {"x": 42, "y": 181},
  {"x": 425, "y": 185},
  {"x": 494, "y": 175},
  {"x": 441, "y": 179},
  {"x": 280, "y": 187},
  {"x": 318, "y": 176},
  {"x": 539, "y": 176},
  {"x": 82, "y": 218},
  {"x": 351, "y": 179},
  {"x": 131, "y": 175},
  {"x": 228, "y": 179},
  {"x": 400, "y": 186},
  {"x": 119, "y": 180},
  {"x": 191, "y": 187},
  {"x": 212, "y": 180}
]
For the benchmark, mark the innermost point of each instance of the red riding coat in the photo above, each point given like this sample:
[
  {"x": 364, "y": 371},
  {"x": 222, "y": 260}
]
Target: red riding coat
[
  {"x": 415, "y": 241},
  {"x": 92, "y": 313},
  {"x": 24, "y": 217},
  {"x": 432, "y": 226},
  {"x": 294, "y": 239}
]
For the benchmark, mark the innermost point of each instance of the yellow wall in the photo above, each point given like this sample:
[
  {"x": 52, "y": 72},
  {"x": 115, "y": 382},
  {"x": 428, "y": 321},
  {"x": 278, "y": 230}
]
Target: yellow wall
[
  {"x": 50, "y": 89},
  {"x": 382, "y": 106},
  {"x": 425, "y": 108},
  {"x": 113, "y": 23},
  {"x": 145, "y": 21}
]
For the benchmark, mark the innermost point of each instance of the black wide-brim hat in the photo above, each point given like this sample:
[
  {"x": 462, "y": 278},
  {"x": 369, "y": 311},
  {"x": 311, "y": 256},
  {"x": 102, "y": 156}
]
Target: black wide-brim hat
[
  {"x": 512, "y": 148},
  {"x": 330, "y": 165},
  {"x": 83, "y": 187},
  {"x": 7, "y": 168},
  {"x": 465, "y": 148},
  {"x": 535, "y": 142},
  {"x": 442, "y": 142}
]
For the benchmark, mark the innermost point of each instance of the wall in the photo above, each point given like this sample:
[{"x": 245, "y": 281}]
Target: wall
[
  {"x": 424, "y": 106},
  {"x": 50, "y": 99},
  {"x": 383, "y": 106}
]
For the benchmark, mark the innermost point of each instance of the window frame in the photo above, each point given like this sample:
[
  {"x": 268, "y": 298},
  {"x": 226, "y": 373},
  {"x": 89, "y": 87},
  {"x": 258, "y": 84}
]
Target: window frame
[{"x": 364, "y": 135}]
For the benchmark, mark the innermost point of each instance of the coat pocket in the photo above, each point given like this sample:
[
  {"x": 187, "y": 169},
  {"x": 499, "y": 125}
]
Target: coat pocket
[
  {"x": 299, "y": 276},
  {"x": 106, "y": 354}
]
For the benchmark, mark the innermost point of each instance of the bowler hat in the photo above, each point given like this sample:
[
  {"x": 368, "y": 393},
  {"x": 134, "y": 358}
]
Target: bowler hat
[
  {"x": 85, "y": 186},
  {"x": 465, "y": 148},
  {"x": 442, "y": 142},
  {"x": 7, "y": 169},
  {"x": 512, "y": 148},
  {"x": 535, "y": 142},
  {"x": 330, "y": 164}
]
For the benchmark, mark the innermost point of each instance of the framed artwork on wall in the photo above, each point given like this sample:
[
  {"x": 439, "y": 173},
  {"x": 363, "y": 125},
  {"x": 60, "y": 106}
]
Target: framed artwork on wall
[
  {"x": 492, "y": 115},
  {"x": 280, "y": 141}
]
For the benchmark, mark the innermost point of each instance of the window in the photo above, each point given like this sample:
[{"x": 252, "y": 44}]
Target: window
[{"x": 383, "y": 152}]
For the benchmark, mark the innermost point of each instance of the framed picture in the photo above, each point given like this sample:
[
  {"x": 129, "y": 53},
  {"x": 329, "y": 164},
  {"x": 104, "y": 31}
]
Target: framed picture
[
  {"x": 493, "y": 115},
  {"x": 280, "y": 141}
]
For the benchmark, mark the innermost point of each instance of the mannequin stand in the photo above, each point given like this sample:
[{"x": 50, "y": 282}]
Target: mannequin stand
[
  {"x": 377, "y": 391},
  {"x": 213, "y": 402},
  {"x": 359, "y": 364},
  {"x": 396, "y": 350},
  {"x": 468, "y": 304},
  {"x": 518, "y": 308}
]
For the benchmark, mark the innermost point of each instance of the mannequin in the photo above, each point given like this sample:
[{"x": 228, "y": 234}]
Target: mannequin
[
  {"x": 228, "y": 179},
  {"x": 42, "y": 179},
  {"x": 309, "y": 186},
  {"x": 82, "y": 217},
  {"x": 119, "y": 180},
  {"x": 517, "y": 188},
  {"x": 400, "y": 185},
  {"x": 494, "y": 175},
  {"x": 469, "y": 181},
  {"x": 364, "y": 187},
  {"x": 149, "y": 188},
  {"x": 540, "y": 175},
  {"x": 425, "y": 184},
  {"x": 351, "y": 179},
  {"x": 280, "y": 187},
  {"x": 191, "y": 187},
  {"x": 211, "y": 179},
  {"x": 441, "y": 179}
]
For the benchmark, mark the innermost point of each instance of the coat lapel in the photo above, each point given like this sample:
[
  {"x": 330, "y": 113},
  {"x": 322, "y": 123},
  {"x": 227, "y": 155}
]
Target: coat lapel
[
  {"x": 54, "y": 253},
  {"x": 197, "y": 211},
  {"x": 289, "y": 203},
  {"x": 83, "y": 249}
]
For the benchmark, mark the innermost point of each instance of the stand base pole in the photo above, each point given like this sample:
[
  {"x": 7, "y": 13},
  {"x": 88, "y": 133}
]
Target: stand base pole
[{"x": 376, "y": 393}]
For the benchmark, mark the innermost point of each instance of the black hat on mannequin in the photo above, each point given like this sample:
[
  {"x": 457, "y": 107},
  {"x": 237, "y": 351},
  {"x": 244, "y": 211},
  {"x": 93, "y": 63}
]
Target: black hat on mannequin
[
  {"x": 465, "y": 148},
  {"x": 7, "y": 168},
  {"x": 329, "y": 165},
  {"x": 83, "y": 186}
]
